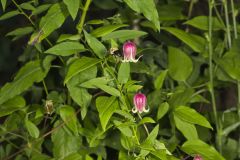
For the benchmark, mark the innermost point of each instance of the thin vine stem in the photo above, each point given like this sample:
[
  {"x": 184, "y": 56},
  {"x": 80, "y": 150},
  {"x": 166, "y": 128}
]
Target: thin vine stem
[
  {"x": 144, "y": 125},
  {"x": 234, "y": 20},
  {"x": 20, "y": 9},
  {"x": 42, "y": 137},
  {"x": 238, "y": 82},
  {"x": 227, "y": 24},
  {"x": 211, "y": 84},
  {"x": 45, "y": 87},
  {"x": 84, "y": 13}
]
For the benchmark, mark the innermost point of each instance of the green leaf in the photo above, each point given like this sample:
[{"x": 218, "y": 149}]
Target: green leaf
[
  {"x": 148, "y": 144},
  {"x": 9, "y": 15},
  {"x": 162, "y": 110},
  {"x": 188, "y": 130},
  {"x": 179, "y": 64},
  {"x": 106, "y": 106},
  {"x": 147, "y": 8},
  {"x": 193, "y": 147},
  {"x": 74, "y": 156},
  {"x": 146, "y": 120},
  {"x": 231, "y": 128},
  {"x": 110, "y": 90},
  {"x": 165, "y": 15},
  {"x": 104, "y": 30},
  {"x": 92, "y": 82},
  {"x": 33, "y": 71},
  {"x": 124, "y": 128},
  {"x": 27, "y": 6},
  {"x": 124, "y": 73},
  {"x": 80, "y": 95},
  {"x": 32, "y": 129},
  {"x": 133, "y": 4},
  {"x": 12, "y": 105},
  {"x": 66, "y": 49},
  {"x": 4, "y": 3},
  {"x": 201, "y": 22},
  {"x": 20, "y": 31},
  {"x": 71, "y": 37},
  {"x": 41, "y": 9},
  {"x": 101, "y": 83},
  {"x": 97, "y": 47},
  {"x": 96, "y": 21},
  {"x": 197, "y": 43},
  {"x": 64, "y": 142},
  {"x": 230, "y": 61},
  {"x": 52, "y": 20},
  {"x": 73, "y": 6},
  {"x": 160, "y": 79},
  {"x": 152, "y": 136},
  {"x": 80, "y": 65},
  {"x": 190, "y": 115},
  {"x": 68, "y": 115},
  {"x": 124, "y": 35}
]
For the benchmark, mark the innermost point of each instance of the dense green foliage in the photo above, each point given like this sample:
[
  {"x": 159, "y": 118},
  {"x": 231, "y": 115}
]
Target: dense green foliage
[{"x": 72, "y": 96}]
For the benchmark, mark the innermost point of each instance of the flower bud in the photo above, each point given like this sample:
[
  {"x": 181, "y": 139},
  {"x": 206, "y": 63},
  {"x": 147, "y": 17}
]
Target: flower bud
[
  {"x": 198, "y": 157},
  {"x": 129, "y": 52},
  {"x": 140, "y": 103}
]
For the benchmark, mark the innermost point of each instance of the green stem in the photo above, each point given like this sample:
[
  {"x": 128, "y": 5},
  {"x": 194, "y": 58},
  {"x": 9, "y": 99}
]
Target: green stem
[
  {"x": 227, "y": 23},
  {"x": 45, "y": 87},
  {"x": 135, "y": 135},
  {"x": 238, "y": 82},
  {"x": 211, "y": 85},
  {"x": 85, "y": 9},
  {"x": 144, "y": 125},
  {"x": 219, "y": 16},
  {"x": 234, "y": 20},
  {"x": 20, "y": 9},
  {"x": 190, "y": 8}
]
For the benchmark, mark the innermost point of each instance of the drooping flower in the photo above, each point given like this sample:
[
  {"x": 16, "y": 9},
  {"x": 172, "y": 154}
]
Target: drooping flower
[
  {"x": 140, "y": 103},
  {"x": 129, "y": 52},
  {"x": 198, "y": 157}
]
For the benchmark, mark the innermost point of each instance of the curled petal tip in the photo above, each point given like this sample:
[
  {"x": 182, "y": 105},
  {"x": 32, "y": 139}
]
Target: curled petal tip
[
  {"x": 146, "y": 110},
  {"x": 134, "y": 110}
]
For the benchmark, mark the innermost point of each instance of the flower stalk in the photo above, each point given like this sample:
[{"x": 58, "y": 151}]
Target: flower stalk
[{"x": 211, "y": 83}]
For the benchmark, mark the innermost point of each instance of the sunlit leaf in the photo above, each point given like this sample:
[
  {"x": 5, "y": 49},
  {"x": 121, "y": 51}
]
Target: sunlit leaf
[
  {"x": 32, "y": 129},
  {"x": 124, "y": 35},
  {"x": 104, "y": 30},
  {"x": 106, "y": 106},
  {"x": 124, "y": 72},
  {"x": 73, "y": 6},
  {"x": 33, "y": 71},
  {"x": 201, "y": 22},
  {"x": 98, "y": 48},
  {"x": 80, "y": 65},
  {"x": 192, "y": 116},
  {"x": 180, "y": 65},
  {"x": 193, "y": 147},
  {"x": 66, "y": 48},
  {"x": 9, "y": 15},
  {"x": 68, "y": 115},
  {"x": 12, "y": 105},
  {"x": 52, "y": 20}
]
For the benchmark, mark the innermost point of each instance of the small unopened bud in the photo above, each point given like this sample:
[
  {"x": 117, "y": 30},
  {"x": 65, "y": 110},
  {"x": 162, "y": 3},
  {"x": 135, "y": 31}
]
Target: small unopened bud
[
  {"x": 49, "y": 106},
  {"x": 140, "y": 103},
  {"x": 198, "y": 157},
  {"x": 129, "y": 52}
]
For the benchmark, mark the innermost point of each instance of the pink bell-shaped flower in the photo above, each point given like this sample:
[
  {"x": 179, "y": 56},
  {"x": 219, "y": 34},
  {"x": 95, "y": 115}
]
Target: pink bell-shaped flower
[
  {"x": 198, "y": 157},
  {"x": 140, "y": 103},
  {"x": 129, "y": 52}
]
